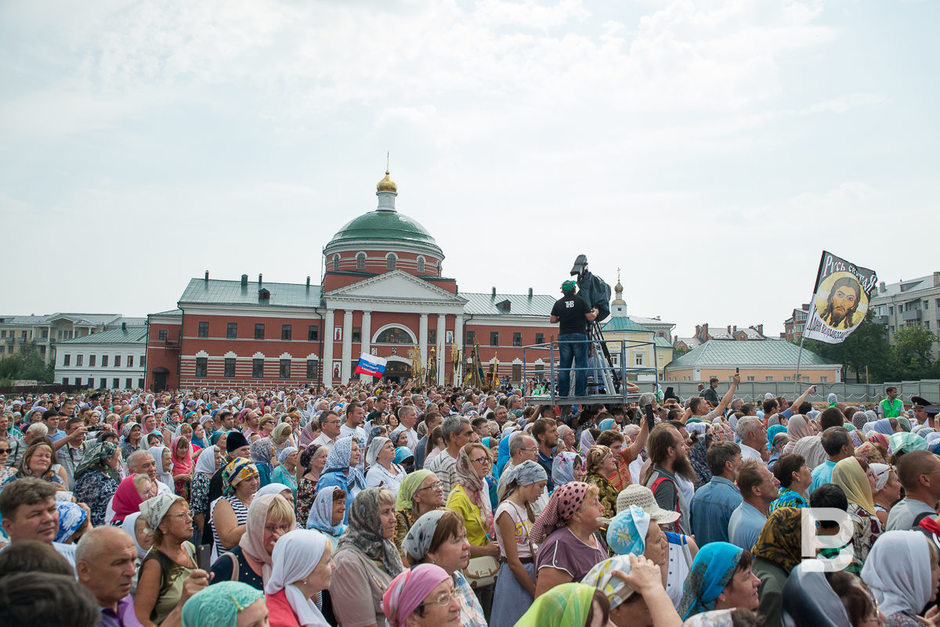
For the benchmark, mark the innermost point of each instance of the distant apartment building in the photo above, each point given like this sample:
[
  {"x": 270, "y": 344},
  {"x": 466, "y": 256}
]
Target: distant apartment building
[
  {"x": 794, "y": 325},
  {"x": 704, "y": 333},
  {"x": 44, "y": 332},
  {"x": 113, "y": 359},
  {"x": 907, "y": 304}
]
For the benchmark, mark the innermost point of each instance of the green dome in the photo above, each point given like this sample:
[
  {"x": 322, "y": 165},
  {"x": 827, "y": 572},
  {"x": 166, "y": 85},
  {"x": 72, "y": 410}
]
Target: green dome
[{"x": 386, "y": 226}]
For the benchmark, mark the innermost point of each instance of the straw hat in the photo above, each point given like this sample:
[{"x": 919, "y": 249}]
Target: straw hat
[{"x": 642, "y": 497}]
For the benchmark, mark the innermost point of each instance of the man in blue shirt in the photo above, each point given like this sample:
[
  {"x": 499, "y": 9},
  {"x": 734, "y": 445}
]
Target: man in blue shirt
[
  {"x": 838, "y": 445},
  {"x": 713, "y": 503},
  {"x": 756, "y": 483}
]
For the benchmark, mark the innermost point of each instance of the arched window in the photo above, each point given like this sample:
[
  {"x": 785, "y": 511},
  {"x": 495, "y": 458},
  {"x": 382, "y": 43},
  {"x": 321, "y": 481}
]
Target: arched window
[
  {"x": 335, "y": 263},
  {"x": 390, "y": 260},
  {"x": 393, "y": 335},
  {"x": 360, "y": 261},
  {"x": 420, "y": 264}
]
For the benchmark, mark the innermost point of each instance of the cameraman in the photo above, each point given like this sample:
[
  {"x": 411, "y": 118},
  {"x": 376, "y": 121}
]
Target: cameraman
[{"x": 572, "y": 313}]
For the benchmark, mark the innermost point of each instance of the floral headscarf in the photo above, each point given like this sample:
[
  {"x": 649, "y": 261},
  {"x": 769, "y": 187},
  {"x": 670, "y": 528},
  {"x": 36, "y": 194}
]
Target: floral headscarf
[
  {"x": 779, "y": 540},
  {"x": 97, "y": 459},
  {"x": 338, "y": 461},
  {"x": 565, "y": 501},
  {"x": 262, "y": 451},
  {"x": 417, "y": 541},
  {"x": 71, "y": 518},
  {"x": 563, "y": 467},
  {"x": 364, "y": 533},
  {"x": 321, "y": 513},
  {"x": 235, "y": 472},
  {"x": 870, "y": 452}
]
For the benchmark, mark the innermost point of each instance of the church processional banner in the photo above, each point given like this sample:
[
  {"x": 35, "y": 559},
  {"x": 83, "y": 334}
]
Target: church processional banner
[{"x": 840, "y": 300}]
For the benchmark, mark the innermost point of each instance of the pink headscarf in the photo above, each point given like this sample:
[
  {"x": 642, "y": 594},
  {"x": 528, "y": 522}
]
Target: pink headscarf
[
  {"x": 126, "y": 499},
  {"x": 181, "y": 465},
  {"x": 409, "y": 590},
  {"x": 797, "y": 428},
  {"x": 565, "y": 501}
]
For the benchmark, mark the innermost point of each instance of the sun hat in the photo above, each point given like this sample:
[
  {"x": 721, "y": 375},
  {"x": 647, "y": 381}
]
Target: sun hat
[{"x": 643, "y": 497}]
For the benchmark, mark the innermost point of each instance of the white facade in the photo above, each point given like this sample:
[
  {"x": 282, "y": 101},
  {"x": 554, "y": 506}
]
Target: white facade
[
  {"x": 112, "y": 359},
  {"x": 907, "y": 304}
]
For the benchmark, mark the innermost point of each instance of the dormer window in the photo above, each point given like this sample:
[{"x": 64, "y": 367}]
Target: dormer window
[{"x": 390, "y": 260}]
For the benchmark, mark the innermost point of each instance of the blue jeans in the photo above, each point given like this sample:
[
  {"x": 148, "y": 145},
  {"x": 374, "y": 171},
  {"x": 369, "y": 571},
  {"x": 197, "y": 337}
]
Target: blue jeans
[{"x": 572, "y": 347}]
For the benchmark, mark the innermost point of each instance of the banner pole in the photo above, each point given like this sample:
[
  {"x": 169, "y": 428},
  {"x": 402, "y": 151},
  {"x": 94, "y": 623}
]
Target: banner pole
[{"x": 799, "y": 357}]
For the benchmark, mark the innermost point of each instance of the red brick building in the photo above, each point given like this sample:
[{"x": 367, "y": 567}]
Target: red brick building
[{"x": 383, "y": 292}]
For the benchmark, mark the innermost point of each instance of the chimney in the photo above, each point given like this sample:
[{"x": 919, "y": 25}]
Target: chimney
[
  {"x": 308, "y": 283},
  {"x": 259, "y": 279},
  {"x": 124, "y": 327},
  {"x": 494, "y": 292},
  {"x": 207, "y": 276},
  {"x": 530, "y": 292},
  {"x": 760, "y": 329},
  {"x": 729, "y": 329},
  {"x": 705, "y": 336},
  {"x": 735, "y": 327},
  {"x": 244, "y": 280},
  {"x": 883, "y": 289}
]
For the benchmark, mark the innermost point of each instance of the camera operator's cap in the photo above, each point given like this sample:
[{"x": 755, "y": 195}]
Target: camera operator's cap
[
  {"x": 643, "y": 497},
  {"x": 568, "y": 286}
]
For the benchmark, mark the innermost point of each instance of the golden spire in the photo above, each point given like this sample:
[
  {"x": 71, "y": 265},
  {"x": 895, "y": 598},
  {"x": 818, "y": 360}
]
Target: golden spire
[{"x": 618, "y": 288}]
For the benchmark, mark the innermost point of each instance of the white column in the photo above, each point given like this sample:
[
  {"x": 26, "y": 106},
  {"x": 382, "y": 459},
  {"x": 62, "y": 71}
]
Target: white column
[
  {"x": 327, "y": 365},
  {"x": 441, "y": 330},
  {"x": 458, "y": 338},
  {"x": 366, "y": 331},
  {"x": 347, "y": 345},
  {"x": 423, "y": 339}
]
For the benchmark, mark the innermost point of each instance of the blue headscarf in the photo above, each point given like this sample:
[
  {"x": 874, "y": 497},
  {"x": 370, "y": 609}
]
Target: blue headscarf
[
  {"x": 883, "y": 426},
  {"x": 607, "y": 423},
  {"x": 321, "y": 513},
  {"x": 502, "y": 452},
  {"x": 773, "y": 431},
  {"x": 563, "y": 467},
  {"x": 338, "y": 462},
  {"x": 71, "y": 518},
  {"x": 402, "y": 453},
  {"x": 711, "y": 573}
]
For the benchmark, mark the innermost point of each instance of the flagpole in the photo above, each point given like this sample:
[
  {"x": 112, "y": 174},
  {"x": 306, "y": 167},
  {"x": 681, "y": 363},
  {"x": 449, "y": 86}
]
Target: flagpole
[{"x": 799, "y": 357}]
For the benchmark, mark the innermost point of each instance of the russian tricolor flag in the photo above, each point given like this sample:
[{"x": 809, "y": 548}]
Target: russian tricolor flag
[{"x": 371, "y": 365}]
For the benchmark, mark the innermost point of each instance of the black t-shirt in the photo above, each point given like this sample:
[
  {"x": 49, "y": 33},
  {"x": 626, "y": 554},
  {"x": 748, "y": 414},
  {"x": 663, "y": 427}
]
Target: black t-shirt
[{"x": 570, "y": 311}]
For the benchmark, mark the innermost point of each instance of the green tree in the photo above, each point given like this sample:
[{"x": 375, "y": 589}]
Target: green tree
[
  {"x": 912, "y": 354},
  {"x": 867, "y": 346},
  {"x": 27, "y": 364},
  {"x": 679, "y": 351}
]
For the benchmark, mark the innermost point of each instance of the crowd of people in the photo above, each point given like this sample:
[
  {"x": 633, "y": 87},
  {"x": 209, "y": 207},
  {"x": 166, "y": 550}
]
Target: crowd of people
[{"x": 405, "y": 504}]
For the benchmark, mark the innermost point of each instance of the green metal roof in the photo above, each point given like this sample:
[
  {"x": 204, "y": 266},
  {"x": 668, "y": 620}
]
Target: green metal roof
[
  {"x": 662, "y": 342},
  {"x": 218, "y": 292},
  {"x": 386, "y": 225},
  {"x": 767, "y": 352},
  {"x": 131, "y": 335},
  {"x": 623, "y": 324},
  {"x": 519, "y": 304}
]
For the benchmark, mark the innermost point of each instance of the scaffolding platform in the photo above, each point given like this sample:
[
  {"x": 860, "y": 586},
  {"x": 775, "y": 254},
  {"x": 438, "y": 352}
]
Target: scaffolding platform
[{"x": 580, "y": 401}]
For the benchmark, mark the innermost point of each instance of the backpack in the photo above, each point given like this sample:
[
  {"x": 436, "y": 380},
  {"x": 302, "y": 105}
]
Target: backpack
[{"x": 653, "y": 488}]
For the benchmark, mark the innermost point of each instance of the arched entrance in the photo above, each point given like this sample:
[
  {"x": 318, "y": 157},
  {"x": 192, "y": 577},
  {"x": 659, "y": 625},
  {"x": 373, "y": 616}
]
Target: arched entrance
[
  {"x": 397, "y": 370},
  {"x": 159, "y": 379}
]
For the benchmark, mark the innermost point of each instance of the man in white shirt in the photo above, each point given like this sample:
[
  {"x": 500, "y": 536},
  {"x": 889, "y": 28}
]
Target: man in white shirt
[
  {"x": 407, "y": 417},
  {"x": 329, "y": 429},
  {"x": 753, "y": 435},
  {"x": 457, "y": 432}
]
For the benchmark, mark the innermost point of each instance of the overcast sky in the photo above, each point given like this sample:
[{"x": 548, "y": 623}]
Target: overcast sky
[{"x": 710, "y": 149}]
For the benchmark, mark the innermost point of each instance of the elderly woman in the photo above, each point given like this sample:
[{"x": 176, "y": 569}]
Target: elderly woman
[
  {"x": 601, "y": 464},
  {"x": 902, "y": 572},
  {"x": 567, "y": 466},
  {"x": 269, "y": 517},
  {"x": 206, "y": 465},
  {"x": 286, "y": 471},
  {"x": 130, "y": 493},
  {"x": 169, "y": 562},
  {"x": 887, "y": 490},
  {"x": 37, "y": 462},
  {"x": 229, "y": 513},
  {"x": 420, "y": 492},
  {"x": 262, "y": 456},
  {"x": 282, "y": 438},
  {"x": 366, "y": 559},
  {"x": 797, "y": 429},
  {"x": 857, "y": 485},
  {"x": 567, "y": 529},
  {"x": 469, "y": 497},
  {"x": 226, "y": 604},
  {"x": 302, "y": 566},
  {"x": 439, "y": 537},
  {"x": 776, "y": 552},
  {"x": 515, "y": 583},
  {"x": 423, "y": 596},
  {"x": 383, "y": 471},
  {"x": 568, "y": 605},
  {"x": 312, "y": 462},
  {"x": 341, "y": 468},
  {"x": 164, "y": 460},
  {"x": 130, "y": 438},
  {"x": 97, "y": 478},
  {"x": 720, "y": 578},
  {"x": 327, "y": 513}
]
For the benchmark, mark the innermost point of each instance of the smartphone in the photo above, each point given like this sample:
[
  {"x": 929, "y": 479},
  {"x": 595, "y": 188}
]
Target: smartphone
[
  {"x": 203, "y": 555},
  {"x": 650, "y": 419},
  {"x": 737, "y": 371}
]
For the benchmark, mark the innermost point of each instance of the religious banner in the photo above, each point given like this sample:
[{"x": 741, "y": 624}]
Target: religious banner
[{"x": 840, "y": 300}]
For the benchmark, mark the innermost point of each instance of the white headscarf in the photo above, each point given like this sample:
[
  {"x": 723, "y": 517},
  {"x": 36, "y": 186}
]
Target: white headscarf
[
  {"x": 898, "y": 572},
  {"x": 205, "y": 463},
  {"x": 296, "y": 554},
  {"x": 163, "y": 474},
  {"x": 374, "y": 448},
  {"x": 129, "y": 524}
]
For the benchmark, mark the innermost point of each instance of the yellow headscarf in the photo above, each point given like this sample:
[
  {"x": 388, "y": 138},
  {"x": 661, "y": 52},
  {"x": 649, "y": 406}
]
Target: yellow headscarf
[{"x": 849, "y": 476}]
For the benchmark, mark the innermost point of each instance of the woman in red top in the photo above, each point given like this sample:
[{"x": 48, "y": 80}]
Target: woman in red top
[{"x": 302, "y": 567}]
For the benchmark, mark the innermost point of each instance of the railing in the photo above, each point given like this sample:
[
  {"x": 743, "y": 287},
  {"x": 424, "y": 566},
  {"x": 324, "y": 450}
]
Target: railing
[{"x": 911, "y": 315}]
